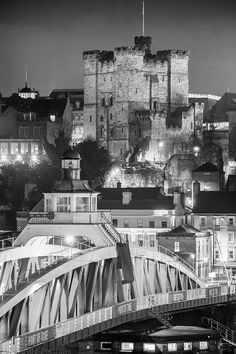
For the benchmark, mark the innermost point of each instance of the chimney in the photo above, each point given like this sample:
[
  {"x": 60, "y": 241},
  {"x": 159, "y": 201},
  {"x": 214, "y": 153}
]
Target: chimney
[
  {"x": 127, "y": 197},
  {"x": 195, "y": 192}
]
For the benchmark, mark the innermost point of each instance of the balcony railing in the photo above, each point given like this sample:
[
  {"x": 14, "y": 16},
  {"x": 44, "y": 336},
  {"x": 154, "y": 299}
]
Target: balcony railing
[{"x": 65, "y": 218}]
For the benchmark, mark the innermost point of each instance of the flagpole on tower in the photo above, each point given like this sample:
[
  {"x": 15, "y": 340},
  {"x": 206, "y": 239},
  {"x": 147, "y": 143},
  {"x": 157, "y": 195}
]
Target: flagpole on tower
[{"x": 143, "y": 17}]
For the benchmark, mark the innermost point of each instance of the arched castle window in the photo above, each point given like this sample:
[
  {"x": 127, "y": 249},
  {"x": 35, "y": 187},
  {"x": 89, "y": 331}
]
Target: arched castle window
[
  {"x": 103, "y": 102},
  {"x": 155, "y": 105},
  {"x": 102, "y": 132},
  {"x": 110, "y": 101}
]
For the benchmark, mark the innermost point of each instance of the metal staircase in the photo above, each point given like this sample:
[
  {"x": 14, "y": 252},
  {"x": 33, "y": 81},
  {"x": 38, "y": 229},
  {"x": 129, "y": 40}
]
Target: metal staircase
[
  {"x": 162, "y": 317},
  {"x": 226, "y": 333}
]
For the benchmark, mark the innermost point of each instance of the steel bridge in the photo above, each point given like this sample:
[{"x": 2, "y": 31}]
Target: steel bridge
[{"x": 43, "y": 284}]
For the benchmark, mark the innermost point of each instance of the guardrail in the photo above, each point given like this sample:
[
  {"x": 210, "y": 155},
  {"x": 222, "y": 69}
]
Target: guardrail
[
  {"x": 82, "y": 217},
  {"x": 7, "y": 242},
  {"x": 203, "y": 296}
]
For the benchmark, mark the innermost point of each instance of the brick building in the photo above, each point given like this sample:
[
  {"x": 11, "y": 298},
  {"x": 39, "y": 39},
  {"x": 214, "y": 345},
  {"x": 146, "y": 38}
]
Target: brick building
[
  {"x": 210, "y": 177},
  {"x": 138, "y": 101}
]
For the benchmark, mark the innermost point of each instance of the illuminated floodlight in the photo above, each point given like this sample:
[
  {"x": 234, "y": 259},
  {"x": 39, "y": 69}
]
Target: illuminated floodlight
[
  {"x": 19, "y": 157},
  {"x": 34, "y": 158},
  {"x": 161, "y": 144},
  {"x": 4, "y": 158},
  {"x": 196, "y": 150}
]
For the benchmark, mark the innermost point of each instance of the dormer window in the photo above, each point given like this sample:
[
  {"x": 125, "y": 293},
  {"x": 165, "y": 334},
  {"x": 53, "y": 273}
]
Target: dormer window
[{"x": 52, "y": 117}]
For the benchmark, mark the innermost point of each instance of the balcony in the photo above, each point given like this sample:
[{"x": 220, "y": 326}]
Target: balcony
[{"x": 66, "y": 218}]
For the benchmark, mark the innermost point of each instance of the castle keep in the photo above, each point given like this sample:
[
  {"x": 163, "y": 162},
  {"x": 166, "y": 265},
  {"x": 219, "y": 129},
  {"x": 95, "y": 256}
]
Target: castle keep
[{"x": 135, "y": 100}]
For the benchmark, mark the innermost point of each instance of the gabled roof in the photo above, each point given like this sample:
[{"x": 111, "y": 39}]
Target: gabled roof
[
  {"x": 220, "y": 109},
  {"x": 181, "y": 230},
  {"x": 142, "y": 198},
  {"x": 215, "y": 202},
  {"x": 42, "y": 107},
  {"x": 208, "y": 167}
]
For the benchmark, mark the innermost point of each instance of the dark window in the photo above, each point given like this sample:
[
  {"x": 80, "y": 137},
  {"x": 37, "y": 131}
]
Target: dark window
[
  {"x": 111, "y": 101},
  {"x": 21, "y": 132},
  {"x": 101, "y": 118},
  {"x": 110, "y": 115},
  {"x": 90, "y": 118},
  {"x": 155, "y": 105},
  {"x": 151, "y": 223},
  {"x": 115, "y": 222},
  {"x": 26, "y": 132},
  {"x": 164, "y": 223}
]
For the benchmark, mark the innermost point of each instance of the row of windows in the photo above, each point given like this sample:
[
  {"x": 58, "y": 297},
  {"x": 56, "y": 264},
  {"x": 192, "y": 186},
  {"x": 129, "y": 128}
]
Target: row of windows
[
  {"x": 217, "y": 221},
  {"x": 151, "y": 223},
  {"x": 231, "y": 254},
  {"x": 107, "y": 101},
  {"x": 151, "y": 347},
  {"x": 19, "y": 148},
  {"x": 38, "y": 132},
  {"x": 64, "y": 204}
]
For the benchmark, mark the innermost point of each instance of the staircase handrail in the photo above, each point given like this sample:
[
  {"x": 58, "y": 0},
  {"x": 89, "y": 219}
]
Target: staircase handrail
[
  {"x": 229, "y": 333},
  {"x": 117, "y": 234}
]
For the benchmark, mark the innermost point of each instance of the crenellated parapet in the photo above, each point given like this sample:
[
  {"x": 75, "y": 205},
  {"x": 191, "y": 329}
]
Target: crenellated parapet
[{"x": 100, "y": 55}]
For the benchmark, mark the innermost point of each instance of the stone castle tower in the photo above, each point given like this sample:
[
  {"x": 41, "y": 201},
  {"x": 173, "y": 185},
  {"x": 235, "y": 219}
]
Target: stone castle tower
[{"x": 127, "y": 89}]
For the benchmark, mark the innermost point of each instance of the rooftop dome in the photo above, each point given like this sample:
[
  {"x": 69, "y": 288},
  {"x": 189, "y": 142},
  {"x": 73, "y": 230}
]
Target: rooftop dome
[
  {"x": 71, "y": 154},
  {"x": 26, "y": 89}
]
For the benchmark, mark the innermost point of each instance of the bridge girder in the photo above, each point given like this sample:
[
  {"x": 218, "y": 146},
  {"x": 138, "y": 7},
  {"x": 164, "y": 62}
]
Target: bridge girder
[{"x": 83, "y": 284}]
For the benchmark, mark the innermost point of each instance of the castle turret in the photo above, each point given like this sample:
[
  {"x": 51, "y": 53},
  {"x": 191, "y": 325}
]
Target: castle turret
[{"x": 143, "y": 43}]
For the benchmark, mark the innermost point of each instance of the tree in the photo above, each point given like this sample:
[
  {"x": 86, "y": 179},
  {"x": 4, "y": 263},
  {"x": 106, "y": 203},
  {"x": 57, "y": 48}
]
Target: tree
[{"x": 95, "y": 162}]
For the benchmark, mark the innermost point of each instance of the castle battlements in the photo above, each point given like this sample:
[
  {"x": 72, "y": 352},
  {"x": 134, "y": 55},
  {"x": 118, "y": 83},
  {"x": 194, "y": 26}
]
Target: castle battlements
[{"x": 100, "y": 55}]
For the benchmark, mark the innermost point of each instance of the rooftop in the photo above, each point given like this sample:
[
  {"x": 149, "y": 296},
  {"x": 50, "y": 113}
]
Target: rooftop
[
  {"x": 208, "y": 167},
  {"x": 215, "y": 202}
]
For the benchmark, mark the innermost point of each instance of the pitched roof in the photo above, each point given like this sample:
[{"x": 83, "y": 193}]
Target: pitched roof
[
  {"x": 220, "y": 109},
  {"x": 142, "y": 198},
  {"x": 215, "y": 202},
  {"x": 208, "y": 167},
  {"x": 43, "y": 107}
]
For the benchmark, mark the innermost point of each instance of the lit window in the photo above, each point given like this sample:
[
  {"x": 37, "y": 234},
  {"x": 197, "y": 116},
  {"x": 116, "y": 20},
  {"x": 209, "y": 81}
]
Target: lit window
[
  {"x": 34, "y": 148},
  {"x": 207, "y": 177},
  {"x": 188, "y": 346},
  {"x": 231, "y": 237},
  {"x": 4, "y": 148},
  {"x": 172, "y": 347},
  {"x": 24, "y": 148},
  {"x": 14, "y": 148},
  {"x": 52, "y": 117},
  {"x": 64, "y": 204},
  {"x": 139, "y": 223},
  {"x": 148, "y": 347},
  {"x": 106, "y": 345},
  {"x": 203, "y": 345},
  {"x": 48, "y": 205},
  {"x": 82, "y": 204},
  {"x": 176, "y": 246},
  {"x": 231, "y": 254},
  {"x": 127, "y": 347}
]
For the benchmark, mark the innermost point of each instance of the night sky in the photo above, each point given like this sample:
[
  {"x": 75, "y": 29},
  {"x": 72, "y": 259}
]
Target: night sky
[{"x": 49, "y": 36}]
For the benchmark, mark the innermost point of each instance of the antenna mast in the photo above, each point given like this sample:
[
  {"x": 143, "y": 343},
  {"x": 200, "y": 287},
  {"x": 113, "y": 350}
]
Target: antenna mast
[
  {"x": 26, "y": 76},
  {"x": 143, "y": 18}
]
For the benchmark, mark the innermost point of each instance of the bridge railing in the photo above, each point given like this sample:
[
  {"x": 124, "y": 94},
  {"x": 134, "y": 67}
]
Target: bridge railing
[
  {"x": 83, "y": 217},
  {"x": 203, "y": 296},
  {"x": 147, "y": 245}
]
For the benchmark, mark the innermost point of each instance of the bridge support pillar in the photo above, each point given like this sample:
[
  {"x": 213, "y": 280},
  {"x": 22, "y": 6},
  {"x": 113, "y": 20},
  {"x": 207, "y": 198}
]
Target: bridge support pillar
[{"x": 3, "y": 329}]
